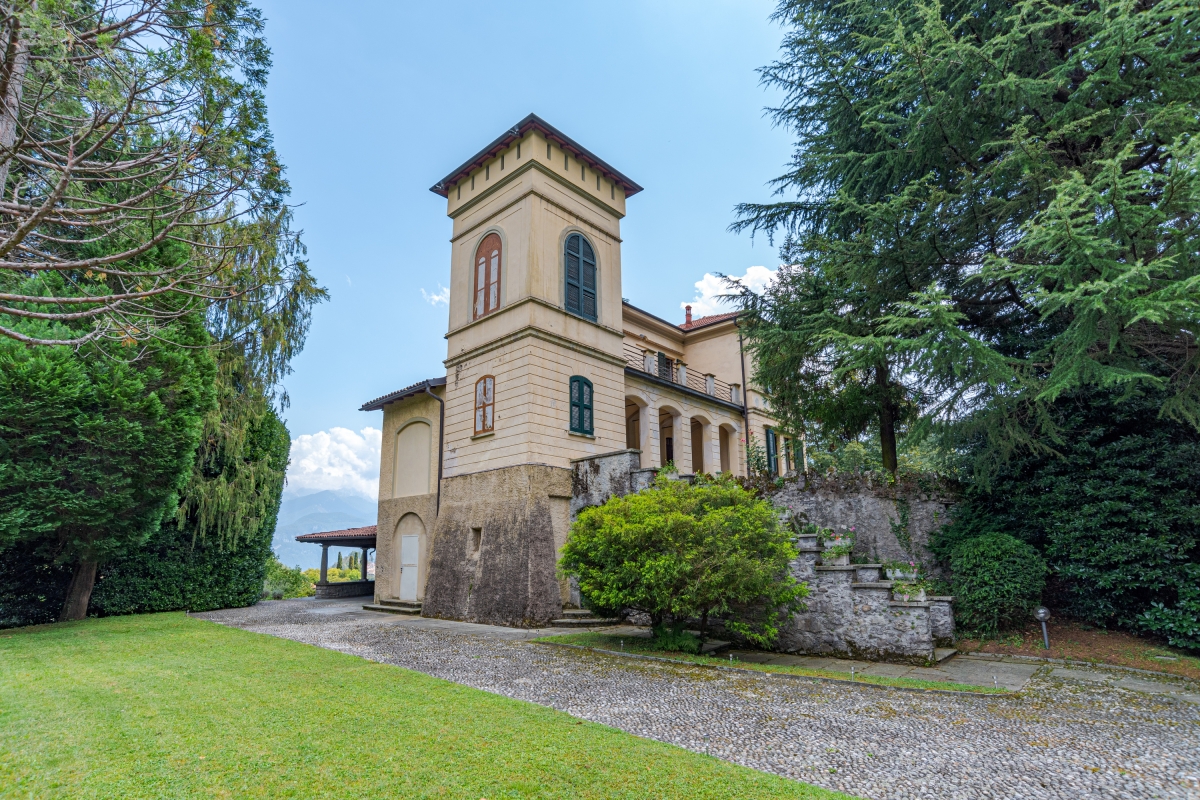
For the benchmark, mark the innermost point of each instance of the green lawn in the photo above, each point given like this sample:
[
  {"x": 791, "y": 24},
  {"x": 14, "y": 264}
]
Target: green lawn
[
  {"x": 166, "y": 706},
  {"x": 645, "y": 646}
]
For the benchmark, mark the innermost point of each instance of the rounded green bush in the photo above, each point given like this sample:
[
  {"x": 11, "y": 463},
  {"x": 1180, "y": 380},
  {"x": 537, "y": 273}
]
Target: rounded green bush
[{"x": 997, "y": 583}]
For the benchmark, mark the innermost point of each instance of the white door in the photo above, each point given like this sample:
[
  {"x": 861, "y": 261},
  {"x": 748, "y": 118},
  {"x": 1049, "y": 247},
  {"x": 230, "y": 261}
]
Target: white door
[{"x": 408, "y": 567}]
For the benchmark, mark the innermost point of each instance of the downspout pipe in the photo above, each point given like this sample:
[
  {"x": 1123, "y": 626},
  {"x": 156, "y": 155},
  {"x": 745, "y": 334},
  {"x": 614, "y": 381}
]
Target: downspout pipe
[
  {"x": 745, "y": 408},
  {"x": 441, "y": 442}
]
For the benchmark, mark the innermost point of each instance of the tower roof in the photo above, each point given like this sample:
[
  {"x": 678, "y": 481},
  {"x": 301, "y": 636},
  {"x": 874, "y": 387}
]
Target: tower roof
[{"x": 534, "y": 122}]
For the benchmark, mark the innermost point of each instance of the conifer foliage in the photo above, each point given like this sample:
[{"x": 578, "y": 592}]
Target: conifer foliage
[{"x": 989, "y": 205}]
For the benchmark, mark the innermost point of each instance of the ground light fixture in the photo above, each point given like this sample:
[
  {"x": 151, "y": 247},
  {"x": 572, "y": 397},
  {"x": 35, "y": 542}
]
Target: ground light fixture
[{"x": 1041, "y": 615}]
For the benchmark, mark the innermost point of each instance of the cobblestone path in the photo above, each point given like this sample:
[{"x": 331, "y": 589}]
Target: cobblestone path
[{"x": 1059, "y": 738}]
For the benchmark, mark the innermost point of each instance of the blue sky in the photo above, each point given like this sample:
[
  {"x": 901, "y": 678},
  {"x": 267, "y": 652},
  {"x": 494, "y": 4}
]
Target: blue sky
[{"x": 371, "y": 106}]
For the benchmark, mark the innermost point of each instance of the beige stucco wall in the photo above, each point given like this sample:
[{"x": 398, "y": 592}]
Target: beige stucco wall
[
  {"x": 396, "y": 416},
  {"x": 532, "y": 407},
  {"x": 534, "y": 154}
]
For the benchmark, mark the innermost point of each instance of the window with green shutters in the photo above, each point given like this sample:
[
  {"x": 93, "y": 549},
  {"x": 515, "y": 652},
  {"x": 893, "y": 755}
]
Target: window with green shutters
[
  {"x": 581, "y": 405},
  {"x": 580, "y": 271}
]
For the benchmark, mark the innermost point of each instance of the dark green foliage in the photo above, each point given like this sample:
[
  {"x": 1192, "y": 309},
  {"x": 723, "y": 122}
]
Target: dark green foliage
[
  {"x": 94, "y": 450},
  {"x": 675, "y": 639},
  {"x": 998, "y": 582},
  {"x": 1179, "y": 625},
  {"x": 1116, "y": 514},
  {"x": 681, "y": 551},
  {"x": 174, "y": 569},
  {"x": 1000, "y": 201}
]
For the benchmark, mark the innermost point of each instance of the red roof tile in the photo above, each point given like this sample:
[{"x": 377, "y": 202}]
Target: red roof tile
[
  {"x": 347, "y": 533},
  {"x": 709, "y": 320}
]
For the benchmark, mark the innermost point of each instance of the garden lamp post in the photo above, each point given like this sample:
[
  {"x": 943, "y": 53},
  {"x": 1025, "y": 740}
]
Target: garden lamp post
[{"x": 1041, "y": 615}]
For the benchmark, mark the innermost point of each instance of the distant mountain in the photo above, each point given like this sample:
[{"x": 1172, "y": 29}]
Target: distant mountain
[{"x": 313, "y": 513}]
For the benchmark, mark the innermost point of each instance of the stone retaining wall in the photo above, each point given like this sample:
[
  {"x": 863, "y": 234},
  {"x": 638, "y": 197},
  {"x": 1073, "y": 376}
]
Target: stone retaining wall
[{"x": 891, "y": 522}]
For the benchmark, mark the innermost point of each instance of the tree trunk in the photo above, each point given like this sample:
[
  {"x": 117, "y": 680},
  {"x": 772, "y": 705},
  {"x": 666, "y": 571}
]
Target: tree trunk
[
  {"x": 12, "y": 86},
  {"x": 887, "y": 419},
  {"x": 79, "y": 593}
]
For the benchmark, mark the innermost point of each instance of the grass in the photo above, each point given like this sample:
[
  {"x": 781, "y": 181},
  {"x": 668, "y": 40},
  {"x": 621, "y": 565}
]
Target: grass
[
  {"x": 167, "y": 706},
  {"x": 645, "y": 646},
  {"x": 1078, "y": 641}
]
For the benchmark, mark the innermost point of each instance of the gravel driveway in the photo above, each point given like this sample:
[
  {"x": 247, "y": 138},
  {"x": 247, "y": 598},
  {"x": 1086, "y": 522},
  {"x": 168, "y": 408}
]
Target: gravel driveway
[{"x": 1059, "y": 738}]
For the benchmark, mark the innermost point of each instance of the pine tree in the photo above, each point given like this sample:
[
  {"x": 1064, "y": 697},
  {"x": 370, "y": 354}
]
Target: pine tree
[{"x": 997, "y": 200}]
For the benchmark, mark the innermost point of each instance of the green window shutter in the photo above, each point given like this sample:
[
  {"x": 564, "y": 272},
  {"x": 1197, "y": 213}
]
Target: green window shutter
[
  {"x": 581, "y": 405},
  {"x": 772, "y": 452},
  {"x": 580, "y": 277}
]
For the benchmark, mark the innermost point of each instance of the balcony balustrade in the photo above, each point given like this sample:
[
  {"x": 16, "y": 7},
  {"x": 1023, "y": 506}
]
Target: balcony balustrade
[{"x": 663, "y": 366}]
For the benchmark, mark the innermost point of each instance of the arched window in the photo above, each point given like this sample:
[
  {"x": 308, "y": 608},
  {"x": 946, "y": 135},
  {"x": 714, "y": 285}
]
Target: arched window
[
  {"x": 581, "y": 405},
  {"x": 485, "y": 402},
  {"x": 580, "y": 276},
  {"x": 487, "y": 275},
  {"x": 410, "y": 470}
]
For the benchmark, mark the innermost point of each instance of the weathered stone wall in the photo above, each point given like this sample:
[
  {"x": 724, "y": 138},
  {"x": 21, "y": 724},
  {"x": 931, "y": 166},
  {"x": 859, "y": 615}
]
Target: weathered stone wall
[
  {"x": 876, "y": 511},
  {"x": 597, "y": 478},
  {"x": 850, "y": 612},
  {"x": 523, "y": 515}
]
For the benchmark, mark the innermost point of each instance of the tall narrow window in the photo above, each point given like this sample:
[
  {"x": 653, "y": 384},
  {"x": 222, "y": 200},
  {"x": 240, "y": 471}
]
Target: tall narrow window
[
  {"x": 487, "y": 275},
  {"x": 772, "y": 451},
  {"x": 485, "y": 404},
  {"x": 581, "y": 405},
  {"x": 580, "y": 277}
]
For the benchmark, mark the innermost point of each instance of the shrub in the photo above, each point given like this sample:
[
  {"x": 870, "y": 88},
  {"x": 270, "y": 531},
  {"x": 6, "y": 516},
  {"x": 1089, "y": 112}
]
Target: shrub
[
  {"x": 1181, "y": 624},
  {"x": 997, "y": 583},
  {"x": 683, "y": 551},
  {"x": 283, "y": 583},
  {"x": 675, "y": 639},
  {"x": 1115, "y": 511}
]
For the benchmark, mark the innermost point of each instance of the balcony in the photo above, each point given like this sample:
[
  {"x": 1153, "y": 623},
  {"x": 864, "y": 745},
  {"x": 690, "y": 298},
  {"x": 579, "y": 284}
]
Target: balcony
[{"x": 662, "y": 366}]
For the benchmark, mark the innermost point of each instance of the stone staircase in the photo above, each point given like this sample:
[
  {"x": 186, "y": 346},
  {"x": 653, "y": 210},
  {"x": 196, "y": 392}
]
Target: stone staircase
[
  {"x": 582, "y": 618},
  {"x": 852, "y": 611},
  {"x": 410, "y": 608}
]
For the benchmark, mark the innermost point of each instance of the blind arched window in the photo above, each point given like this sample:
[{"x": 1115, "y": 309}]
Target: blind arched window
[
  {"x": 487, "y": 275},
  {"x": 485, "y": 402},
  {"x": 580, "y": 276},
  {"x": 581, "y": 405}
]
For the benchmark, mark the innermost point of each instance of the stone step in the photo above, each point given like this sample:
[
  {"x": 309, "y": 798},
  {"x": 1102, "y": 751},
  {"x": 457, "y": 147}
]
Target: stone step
[
  {"x": 395, "y": 607},
  {"x": 941, "y": 654},
  {"x": 584, "y": 622},
  {"x": 577, "y": 613}
]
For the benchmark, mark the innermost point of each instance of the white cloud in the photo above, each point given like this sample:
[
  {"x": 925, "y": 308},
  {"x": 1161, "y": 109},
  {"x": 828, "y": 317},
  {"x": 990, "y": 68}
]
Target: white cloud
[
  {"x": 710, "y": 288},
  {"x": 440, "y": 297},
  {"x": 337, "y": 459}
]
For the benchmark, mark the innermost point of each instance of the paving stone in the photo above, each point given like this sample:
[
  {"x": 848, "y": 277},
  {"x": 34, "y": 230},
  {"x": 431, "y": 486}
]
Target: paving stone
[
  {"x": 888, "y": 670},
  {"x": 1059, "y": 739}
]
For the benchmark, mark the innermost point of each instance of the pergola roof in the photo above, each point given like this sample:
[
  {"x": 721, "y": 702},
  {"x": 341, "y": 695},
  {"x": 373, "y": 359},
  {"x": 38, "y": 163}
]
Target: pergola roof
[{"x": 348, "y": 537}]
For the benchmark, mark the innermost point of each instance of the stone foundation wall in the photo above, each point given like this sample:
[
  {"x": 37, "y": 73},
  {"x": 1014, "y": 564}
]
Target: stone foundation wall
[{"x": 522, "y": 514}]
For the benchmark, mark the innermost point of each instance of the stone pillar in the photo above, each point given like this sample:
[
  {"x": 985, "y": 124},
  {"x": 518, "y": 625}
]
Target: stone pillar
[
  {"x": 648, "y": 435},
  {"x": 324, "y": 562},
  {"x": 363, "y": 565},
  {"x": 683, "y": 442},
  {"x": 710, "y": 439}
]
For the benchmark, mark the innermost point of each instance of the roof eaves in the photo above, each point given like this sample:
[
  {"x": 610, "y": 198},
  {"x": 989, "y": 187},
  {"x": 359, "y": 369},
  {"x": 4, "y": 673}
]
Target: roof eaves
[
  {"x": 533, "y": 121},
  {"x": 401, "y": 394}
]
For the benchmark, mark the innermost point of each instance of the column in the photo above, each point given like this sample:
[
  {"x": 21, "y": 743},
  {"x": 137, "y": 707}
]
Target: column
[
  {"x": 648, "y": 435},
  {"x": 683, "y": 442},
  {"x": 363, "y": 567},
  {"x": 710, "y": 437},
  {"x": 324, "y": 561}
]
